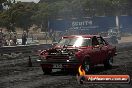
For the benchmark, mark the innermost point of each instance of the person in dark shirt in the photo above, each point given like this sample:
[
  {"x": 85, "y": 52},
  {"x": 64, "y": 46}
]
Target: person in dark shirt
[
  {"x": 1, "y": 38},
  {"x": 14, "y": 40},
  {"x": 24, "y": 38},
  {"x": 95, "y": 41}
]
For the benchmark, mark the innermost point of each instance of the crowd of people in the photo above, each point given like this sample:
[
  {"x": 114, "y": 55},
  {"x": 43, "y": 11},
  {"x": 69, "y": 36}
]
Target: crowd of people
[{"x": 10, "y": 39}]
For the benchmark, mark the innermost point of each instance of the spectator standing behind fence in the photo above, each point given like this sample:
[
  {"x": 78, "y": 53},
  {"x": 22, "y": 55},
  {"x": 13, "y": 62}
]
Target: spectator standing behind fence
[
  {"x": 1, "y": 38},
  {"x": 24, "y": 38},
  {"x": 5, "y": 41},
  {"x": 14, "y": 40}
]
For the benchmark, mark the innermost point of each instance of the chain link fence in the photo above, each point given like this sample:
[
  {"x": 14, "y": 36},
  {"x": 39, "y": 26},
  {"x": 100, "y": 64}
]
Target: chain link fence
[{"x": 13, "y": 38}]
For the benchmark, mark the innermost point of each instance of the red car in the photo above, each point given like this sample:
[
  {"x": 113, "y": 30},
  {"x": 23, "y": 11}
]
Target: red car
[{"x": 75, "y": 50}]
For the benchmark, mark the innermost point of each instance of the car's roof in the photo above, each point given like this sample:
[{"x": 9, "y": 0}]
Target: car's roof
[{"x": 84, "y": 36}]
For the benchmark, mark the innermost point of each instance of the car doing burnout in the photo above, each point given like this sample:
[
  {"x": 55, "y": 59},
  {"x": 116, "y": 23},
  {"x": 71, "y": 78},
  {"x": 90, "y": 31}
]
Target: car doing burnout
[{"x": 75, "y": 50}]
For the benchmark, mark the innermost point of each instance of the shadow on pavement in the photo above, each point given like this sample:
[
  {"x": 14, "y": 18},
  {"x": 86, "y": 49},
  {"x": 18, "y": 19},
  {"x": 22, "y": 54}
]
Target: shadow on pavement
[{"x": 95, "y": 70}]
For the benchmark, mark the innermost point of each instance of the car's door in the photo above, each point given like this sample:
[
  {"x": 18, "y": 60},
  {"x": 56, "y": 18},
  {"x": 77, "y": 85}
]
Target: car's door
[
  {"x": 103, "y": 49},
  {"x": 95, "y": 50}
]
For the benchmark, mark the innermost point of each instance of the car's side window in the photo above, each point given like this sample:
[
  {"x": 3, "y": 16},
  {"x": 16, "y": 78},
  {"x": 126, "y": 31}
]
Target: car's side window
[
  {"x": 95, "y": 41},
  {"x": 101, "y": 41},
  {"x": 104, "y": 42}
]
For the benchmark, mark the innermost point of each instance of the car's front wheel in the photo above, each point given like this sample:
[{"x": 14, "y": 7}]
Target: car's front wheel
[
  {"x": 86, "y": 66},
  {"x": 108, "y": 63}
]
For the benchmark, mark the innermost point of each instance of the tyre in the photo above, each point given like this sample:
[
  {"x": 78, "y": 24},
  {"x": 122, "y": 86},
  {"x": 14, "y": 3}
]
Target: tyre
[
  {"x": 46, "y": 71},
  {"x": 108, "y": 63},
  {"x": 86, "y": 66}
]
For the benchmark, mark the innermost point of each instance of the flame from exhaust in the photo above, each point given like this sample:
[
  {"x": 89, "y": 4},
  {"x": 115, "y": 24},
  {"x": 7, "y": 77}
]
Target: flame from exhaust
[{"x": 81, "y": 71}]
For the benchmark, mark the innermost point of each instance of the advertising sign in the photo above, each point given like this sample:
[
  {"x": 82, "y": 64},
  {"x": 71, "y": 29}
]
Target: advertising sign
[{"x": 94, "y": 24}]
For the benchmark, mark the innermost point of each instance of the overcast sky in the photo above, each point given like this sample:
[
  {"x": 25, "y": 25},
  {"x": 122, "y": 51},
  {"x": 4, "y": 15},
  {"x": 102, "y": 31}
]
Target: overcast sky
[{"x": 36, "y": 1}]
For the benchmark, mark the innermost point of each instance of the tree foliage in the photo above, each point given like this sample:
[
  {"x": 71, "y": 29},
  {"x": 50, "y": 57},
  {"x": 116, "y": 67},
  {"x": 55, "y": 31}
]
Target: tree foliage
[
  {"x": 25, "y": 14},
  {"x": 21, "y": 13}
]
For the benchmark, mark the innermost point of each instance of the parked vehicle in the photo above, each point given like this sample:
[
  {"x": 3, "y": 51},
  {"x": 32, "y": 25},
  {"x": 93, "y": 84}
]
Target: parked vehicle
[
  {"x": 75, "y": 50},
  {"x": 29, "y": 41}
]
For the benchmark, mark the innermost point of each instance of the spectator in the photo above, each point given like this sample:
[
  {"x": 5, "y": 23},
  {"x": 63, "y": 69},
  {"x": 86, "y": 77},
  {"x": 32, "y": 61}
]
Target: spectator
[
  {"x": 10, "y": 43},
  {"x": 24, "y": 38},
  {"x": 1, "y": 37},
  {"x": 4, "y": 40},
  {"x": 14, "y": 40}
]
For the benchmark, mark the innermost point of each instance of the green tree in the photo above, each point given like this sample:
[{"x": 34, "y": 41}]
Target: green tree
[
  {"x": 20, "y": 14},
  {"x": 2, "y": 1},
  {"x": 60, "y": 9},
  {"x": 40, "y": 17},
  {"x": 4, "y": 19},
  {"x": 47, "y": 11}
]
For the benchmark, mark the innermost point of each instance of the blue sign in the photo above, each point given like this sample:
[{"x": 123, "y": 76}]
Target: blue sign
[
  {"x": 94, "y": 24},
  {"x": 125, "y": 23}
]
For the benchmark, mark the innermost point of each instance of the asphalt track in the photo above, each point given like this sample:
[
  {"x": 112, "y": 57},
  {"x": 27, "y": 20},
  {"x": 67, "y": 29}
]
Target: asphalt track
[{"x": 15, "y": 73}]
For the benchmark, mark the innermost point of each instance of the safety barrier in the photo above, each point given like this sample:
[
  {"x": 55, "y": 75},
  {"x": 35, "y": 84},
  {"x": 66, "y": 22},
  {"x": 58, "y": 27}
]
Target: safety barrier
[{"x": 23, "y": 48}]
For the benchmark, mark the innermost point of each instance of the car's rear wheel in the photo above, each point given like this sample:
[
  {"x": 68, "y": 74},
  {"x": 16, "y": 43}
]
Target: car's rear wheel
[
  {"x": 46, "y": 71},
  {"x": 108, "y": 63},
  {"x": 86, "y": 66}
]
